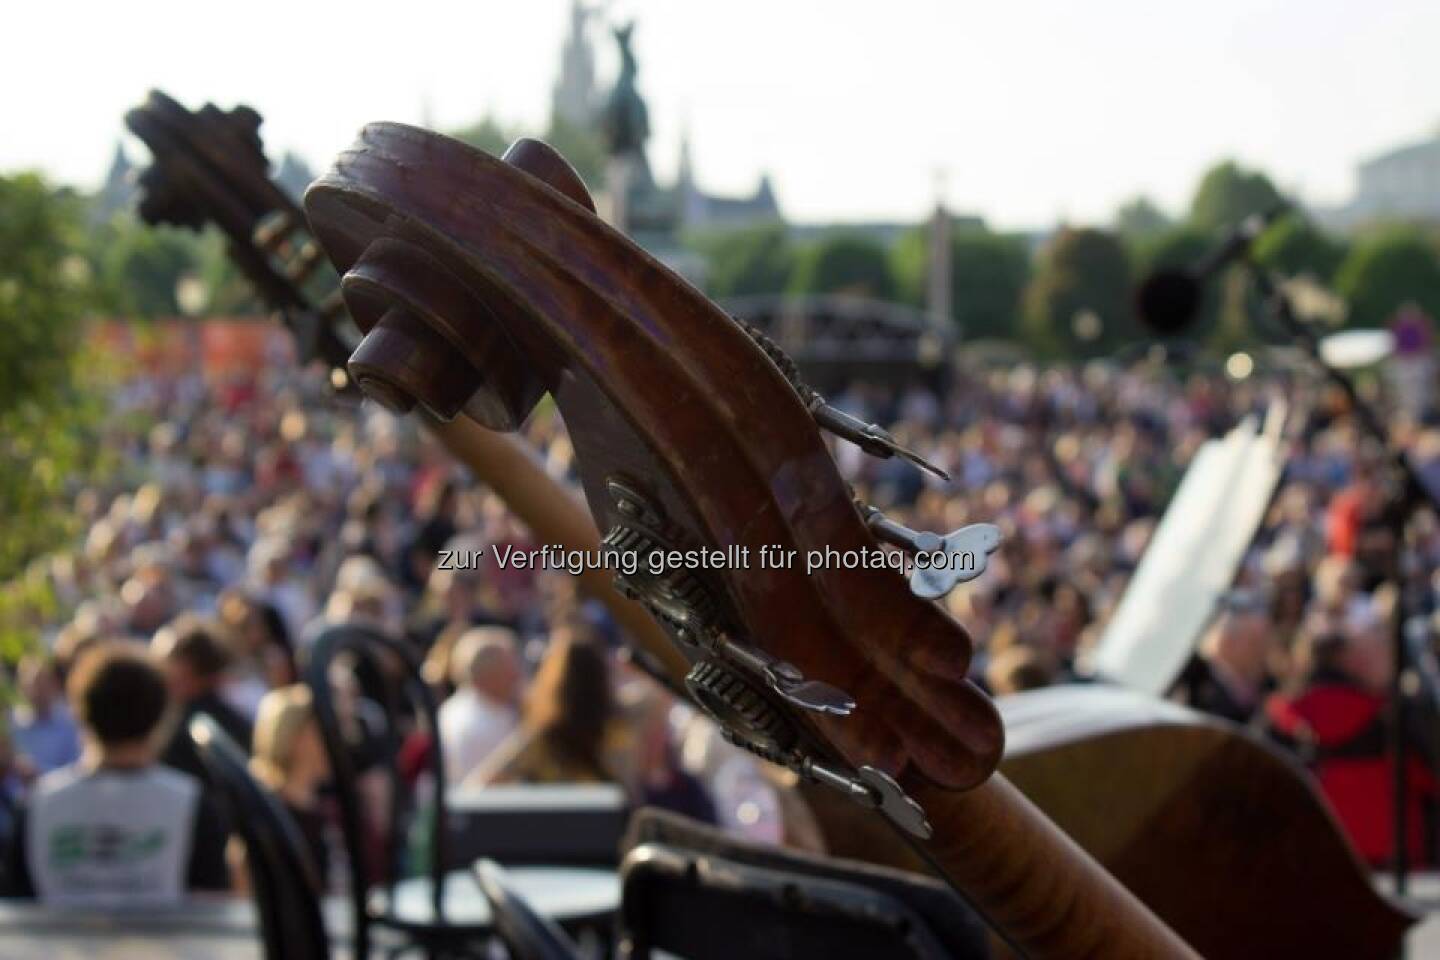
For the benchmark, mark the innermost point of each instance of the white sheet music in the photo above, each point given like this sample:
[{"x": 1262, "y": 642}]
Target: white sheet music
[{"x": 1192, "y": 558}]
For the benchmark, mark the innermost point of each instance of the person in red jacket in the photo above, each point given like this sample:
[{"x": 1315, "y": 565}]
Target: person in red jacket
[{"x": 1340, "y": 723}]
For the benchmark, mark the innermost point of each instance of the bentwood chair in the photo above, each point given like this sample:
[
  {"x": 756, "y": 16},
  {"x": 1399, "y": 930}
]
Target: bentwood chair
[
  {"x": 526, "y": 934},
  {"x": 444, "y": 913},
  {"x": 694, "y": 892},
  {"x": 283, "y": 876},
  {"x": 420, "y": 915}
]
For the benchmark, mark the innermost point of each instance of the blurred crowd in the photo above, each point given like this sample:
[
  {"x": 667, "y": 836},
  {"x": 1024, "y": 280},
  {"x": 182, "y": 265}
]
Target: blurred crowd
[{"x": 249, "y": 514}]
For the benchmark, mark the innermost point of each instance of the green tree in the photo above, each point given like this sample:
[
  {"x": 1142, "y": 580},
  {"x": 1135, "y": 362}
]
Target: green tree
[
  {"x": 1078, "y": 301},
  {"x": 845, "y": 262},
  {"x": 1385, "y": 270},
  {"x": 987, "y": 277},
  {"x": 1227, "y": 194},
  {"x": 139, "y": 266},
  {"x": 1139, "y": 219},
  {"x": 1295, "y": 246},
  {"x": 227, "y": 291},
  {"x": 47, "y": 415},
  {"x": 44, "y": 289},
  {"x": 740, "y": 263}
]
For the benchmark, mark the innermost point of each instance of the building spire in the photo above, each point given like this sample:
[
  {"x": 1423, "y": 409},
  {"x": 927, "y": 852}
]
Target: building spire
[
  {"x": 574, "y": 99},
  {"x": 685, "y": 170}
]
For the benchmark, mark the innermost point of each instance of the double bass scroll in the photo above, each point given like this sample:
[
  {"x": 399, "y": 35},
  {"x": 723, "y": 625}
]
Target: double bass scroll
[{"x": 688, "y": 436}]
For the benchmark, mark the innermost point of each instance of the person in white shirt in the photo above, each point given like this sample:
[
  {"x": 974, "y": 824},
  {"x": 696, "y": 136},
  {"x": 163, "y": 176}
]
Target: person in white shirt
[
  {"x": 115, "y": 828},
  {"x": 483, "y": 710}
]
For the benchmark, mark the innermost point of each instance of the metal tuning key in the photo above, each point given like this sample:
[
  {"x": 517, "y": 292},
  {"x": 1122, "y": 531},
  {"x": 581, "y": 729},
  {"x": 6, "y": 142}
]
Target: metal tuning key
[
  {"x": 894, "y": 532},
  {"x": 967, "y": 554},
  {"x": 872, "y": 788},
  {"x": 873, "y": 439},
  {"x": 786, "y": 679},
  {"x": 942, "y": 562},
  {"x": 894, "y": 803}
]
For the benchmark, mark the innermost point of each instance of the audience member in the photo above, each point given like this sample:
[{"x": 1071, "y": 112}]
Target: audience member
[
  {"x": 195, "y": 660},
  {"x": 1339, "y": 722},
  {"x": 1230, "y": 676},
  {"x": 289, "y": 757},
  {"x": 41, "y": 728},
  {"x": 116, "y": 828},
  {"x": 565, "y": 723},
  {"x": 482, "y": 712}
]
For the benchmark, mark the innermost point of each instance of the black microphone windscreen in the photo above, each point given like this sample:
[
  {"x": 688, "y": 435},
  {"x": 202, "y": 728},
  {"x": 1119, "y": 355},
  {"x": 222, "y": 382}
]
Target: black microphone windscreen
[{"x": 1168, "y": 301}]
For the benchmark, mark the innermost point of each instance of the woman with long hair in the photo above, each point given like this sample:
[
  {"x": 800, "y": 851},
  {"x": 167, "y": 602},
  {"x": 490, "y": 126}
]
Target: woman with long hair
[
  {"x": 566, "y": 720},
  {"x": 289, "y": 758}
]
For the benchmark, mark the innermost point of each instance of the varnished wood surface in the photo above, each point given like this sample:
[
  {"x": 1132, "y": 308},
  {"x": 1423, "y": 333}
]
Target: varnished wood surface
[
  {"x": 1217, "y": 831},
  {"x": 657, "y": 385},
  {"x": 1223, "y": 838},
  {"x": 1035, "y": 883}
]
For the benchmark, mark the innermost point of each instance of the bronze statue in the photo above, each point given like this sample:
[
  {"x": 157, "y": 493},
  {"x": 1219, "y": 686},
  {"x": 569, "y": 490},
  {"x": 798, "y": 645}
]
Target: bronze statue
[{"x": 626, "y": 121}]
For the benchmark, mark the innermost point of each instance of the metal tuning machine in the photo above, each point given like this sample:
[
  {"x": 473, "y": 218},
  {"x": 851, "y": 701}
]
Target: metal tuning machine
[
  {"x": 738, "y": 685},
  {"x": 869, "y": 787},
  {"x": 786, "y": 680},
  {"x": 943, "y": 561},
  {"x": 873, "y": 439},
  {"x": 869, "y": 437}
]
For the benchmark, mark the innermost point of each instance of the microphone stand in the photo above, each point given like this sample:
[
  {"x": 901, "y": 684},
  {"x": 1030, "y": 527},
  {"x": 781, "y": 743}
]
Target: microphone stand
[{"x": 1410, "y": 498}]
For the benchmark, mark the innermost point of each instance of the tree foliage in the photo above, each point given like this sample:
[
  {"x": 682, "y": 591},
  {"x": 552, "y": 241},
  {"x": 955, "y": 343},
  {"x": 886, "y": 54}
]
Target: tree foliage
[
  {"x": 139, "y": 266},
  {"x": 227, "y": 291},
  {"x": 1140, "y": 219},
  {"x": 748, "y": 262},
  {"x": 1296, "y": 247},
  {"x": 44, "y": 288},
  {"x": 1385, "y": 270},
  {"x": 47, "y": 414},
  {"x": 848, "y": 263},
  {"x": 1227, "y": 194},
  {"x": 988, "y": 272},
  {"x": 1078, "y": 301}
]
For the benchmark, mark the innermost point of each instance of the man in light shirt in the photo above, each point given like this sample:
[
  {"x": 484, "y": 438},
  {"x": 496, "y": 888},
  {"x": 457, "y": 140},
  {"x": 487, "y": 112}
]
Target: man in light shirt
[
  {"x": 42, "y": 728},
  {"x": 116, "y": 828},
  {"x": 482, "y": 712}
]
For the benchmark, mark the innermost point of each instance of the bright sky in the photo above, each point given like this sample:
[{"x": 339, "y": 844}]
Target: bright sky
[{"x": 1036, "y": 109}]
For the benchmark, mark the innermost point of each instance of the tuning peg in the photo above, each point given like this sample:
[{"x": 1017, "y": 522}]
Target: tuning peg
[
  {"x": 891, "y": 531},
  {"x": 873, "y": 439},
  {"x": 963, "y": 556},
  {"x": 813, "y": 695},
  {"x": 895, "y": 803},
  {"x": 786, "y": 679},
  {"x": 871, "y": 788},
  {"x": 941, "y": 562}
]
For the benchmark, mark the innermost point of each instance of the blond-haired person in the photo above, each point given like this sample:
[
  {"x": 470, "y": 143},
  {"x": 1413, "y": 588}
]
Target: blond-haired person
[{"x": 289, "y": 758}]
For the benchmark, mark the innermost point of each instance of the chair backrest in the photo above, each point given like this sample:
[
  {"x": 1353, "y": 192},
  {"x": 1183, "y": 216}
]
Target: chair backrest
[
  {"x": 778, "y": 902},
  {"x": 526, "y": 934},
  {"x": 283, "y": 876},
  {"x": 403, "y": 691}
]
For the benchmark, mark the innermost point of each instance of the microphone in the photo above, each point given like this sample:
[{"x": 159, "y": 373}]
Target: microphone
[{"x": 1169, "y": 299}]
